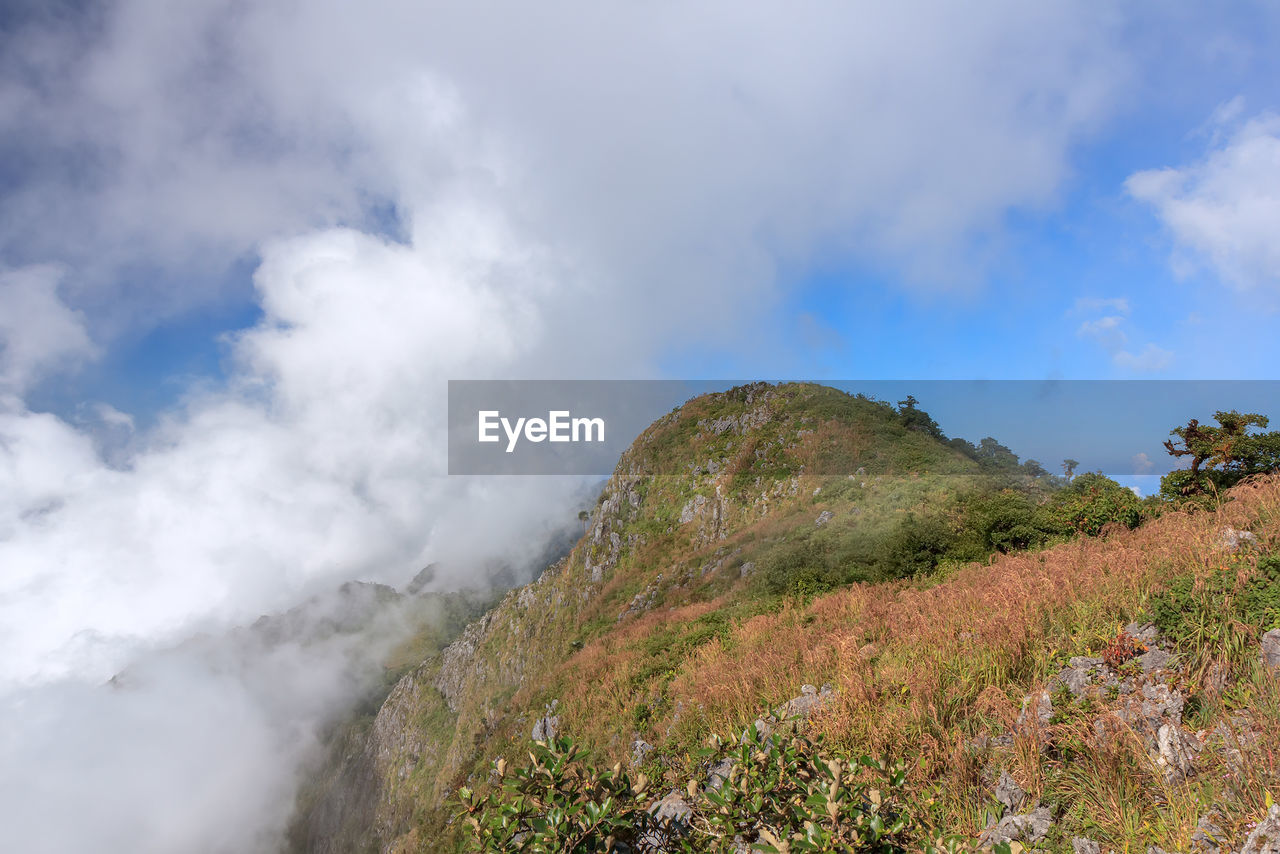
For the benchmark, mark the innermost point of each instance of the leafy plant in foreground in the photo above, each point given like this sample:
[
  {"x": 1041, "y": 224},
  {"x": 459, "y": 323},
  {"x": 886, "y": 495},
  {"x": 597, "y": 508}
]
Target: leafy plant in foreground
[{"x": 774, "y": 793}]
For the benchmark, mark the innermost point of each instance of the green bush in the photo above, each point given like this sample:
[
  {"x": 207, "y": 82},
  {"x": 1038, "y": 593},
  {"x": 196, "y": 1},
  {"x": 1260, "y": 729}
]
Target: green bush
[
  {"x": 1091, "y": 502},
  {"x": 1005, "y": 520},
  {"x": 1219, "y": 613},
  {"x": 783, "y": 793}
]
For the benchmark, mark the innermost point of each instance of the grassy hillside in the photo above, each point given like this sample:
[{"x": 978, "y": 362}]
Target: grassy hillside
[{"x": 822, "y": 539}]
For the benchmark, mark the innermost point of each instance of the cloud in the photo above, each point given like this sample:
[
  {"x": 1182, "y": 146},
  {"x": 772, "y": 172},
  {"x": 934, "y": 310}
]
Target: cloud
[
  {"x": 1110, "y": 333},
  {"x": 640, "y": 145},
  {"x": 222, "y": 715},
  {"x": 1223, "y": 210},
  {"x": 1152, "y": 359},
  {"x": 321, "y": 461},
  {"x": 1106, "y": 331},
  {"x": 38, "y": 332},
  {"x": 1142, "y": 463},
  {"x": 1120, "y": 305}
]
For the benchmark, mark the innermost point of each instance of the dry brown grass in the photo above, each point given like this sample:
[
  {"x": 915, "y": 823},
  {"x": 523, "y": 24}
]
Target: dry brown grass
[
  {"x": 922, "y": 668},
  {"x": 929, "y": 667}
]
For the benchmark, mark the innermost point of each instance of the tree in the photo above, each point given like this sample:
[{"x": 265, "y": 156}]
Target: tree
[
  {"x": 1220, "y": 456},
  {"x": 914, "y": 418},
  {"x": 1034, "y": 469},
  {"x": 1069, "y": 467}
]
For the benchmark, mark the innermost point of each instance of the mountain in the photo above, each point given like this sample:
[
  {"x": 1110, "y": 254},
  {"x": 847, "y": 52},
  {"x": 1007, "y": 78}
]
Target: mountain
[{"x": 944, "y": 596}]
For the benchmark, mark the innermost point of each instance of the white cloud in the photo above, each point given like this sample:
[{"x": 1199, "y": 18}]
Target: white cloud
[
  {"x": 1223, "y": 211},
  {"x": 38, "y": 332},
  {"x": 1106, "y": 331},
  {"x": 642, "y": 145},
  {"x": 112, "y": 417},
  {"x": 1142, "y": 463},
  {"x": 1152, "y": 359},
  {"x": 1111, "y": 334},
  {"x": 1120, "y": 305}
]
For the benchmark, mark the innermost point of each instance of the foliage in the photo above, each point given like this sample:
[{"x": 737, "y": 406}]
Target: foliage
[
  {"x": 822, "y": 561},
  {"x": 1122, "y": 648},
  {"x": 1220, "y": 456},
  {"x": 1222, "y": 611},
  {"x": 914, "y": 418},
  {"x": 790, "y": 794},
  {"x": 991, "y": 515},
  {"x": 779, "y": 793},
  {"x": 558, "y": 802},
  {"x": 1091, "y": 502}
]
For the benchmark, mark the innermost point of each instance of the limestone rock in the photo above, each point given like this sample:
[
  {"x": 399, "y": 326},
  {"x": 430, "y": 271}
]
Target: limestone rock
[
  {"x": 1208, "y": 838},
  {"x": 719, "y": 774},
  {"x": 1174, "y": 754},
  {"x": 1154, "y": 659},
  {"x": 1232, "y": 540},
  {"x": 1029, "y": 828},
  {"x": 640, "y": 749},
  {"x": 1265, "y": 838},
  {"x": 672, "y": 816},
  {"x": 1145, "y": 633},
  {"x": 1009, "y": 793},
  {"x": 1160, "y": 703},
  {"x": 1079, "y": 673},
  {"x": 1037, "y": 708},
  {"x": 1085, "y": 845},
  {"x": 810, "y": 700},
  {"x": 1271, "y": 648},
  {"x": 547, "y": 727}
]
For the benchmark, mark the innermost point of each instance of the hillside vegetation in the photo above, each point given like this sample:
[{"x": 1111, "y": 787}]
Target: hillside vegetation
[{"x": 1024, "y": 658}]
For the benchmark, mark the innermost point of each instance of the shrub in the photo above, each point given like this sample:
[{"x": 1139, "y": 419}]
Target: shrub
[
  {"x": 782, "y": 793},
  {"x": 1091, "y": 502},
  {"x": 1221, "y": 611}
]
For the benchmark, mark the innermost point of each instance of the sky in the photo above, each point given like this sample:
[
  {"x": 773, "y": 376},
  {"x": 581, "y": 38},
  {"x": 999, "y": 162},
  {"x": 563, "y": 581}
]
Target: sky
[{"x": 243, "y": 248}]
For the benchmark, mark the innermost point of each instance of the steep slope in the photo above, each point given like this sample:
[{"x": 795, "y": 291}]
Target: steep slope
[{"x": 786, "y": 489}]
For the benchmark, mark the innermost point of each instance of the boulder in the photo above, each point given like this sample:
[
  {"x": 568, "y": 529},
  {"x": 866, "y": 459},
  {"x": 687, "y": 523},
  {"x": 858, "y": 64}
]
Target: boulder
[{"x": 1085, "y": 845}]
